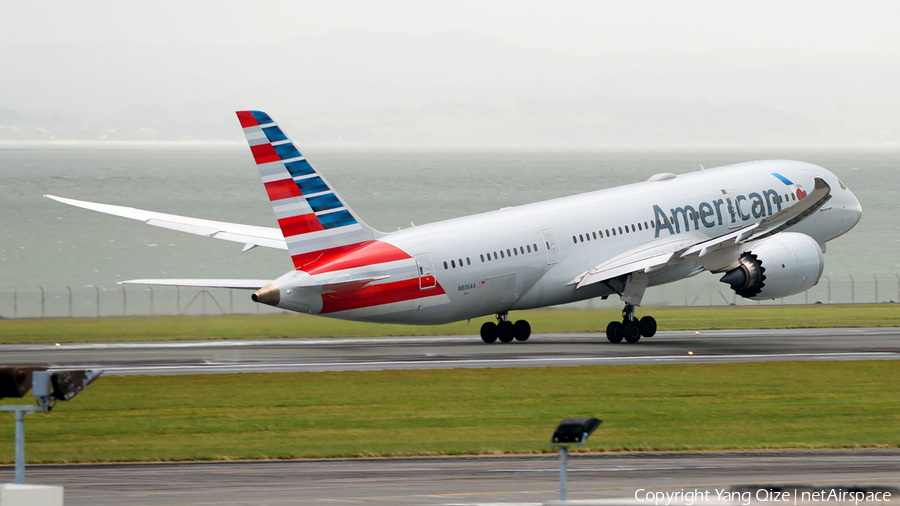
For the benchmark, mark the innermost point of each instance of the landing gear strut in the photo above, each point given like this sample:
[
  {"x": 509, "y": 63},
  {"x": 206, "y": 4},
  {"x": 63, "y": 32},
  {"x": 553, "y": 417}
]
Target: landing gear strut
[
  {"x": 505, "y": 330},
  {"x": 631, "y": 329}
]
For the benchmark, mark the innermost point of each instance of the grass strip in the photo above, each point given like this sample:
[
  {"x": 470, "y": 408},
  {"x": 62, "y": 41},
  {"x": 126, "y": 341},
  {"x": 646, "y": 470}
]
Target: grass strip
[
  {"x": 468, "y": 411},
  {"x": 167, "y": 328}
]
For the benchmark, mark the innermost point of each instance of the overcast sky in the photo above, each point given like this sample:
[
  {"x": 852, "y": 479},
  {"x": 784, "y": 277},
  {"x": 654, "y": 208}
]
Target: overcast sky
[{"x": 455, "y": 73}]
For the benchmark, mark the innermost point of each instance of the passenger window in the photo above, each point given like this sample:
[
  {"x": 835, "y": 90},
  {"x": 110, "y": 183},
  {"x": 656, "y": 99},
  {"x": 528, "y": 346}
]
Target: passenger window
[
  {"x": 515, "y": 252},
  {"x": 652, "y": 224},
  {"x": 793, "y": 197},
  {"x": 595, "y": 235},
  {"x": 460, "y": 262},
  {"x": 521, "y": 250},
  {"x": 501, "y": 254},
  {"x": 529, "y": 248},
  {"x": 620, "y": 231},
  {"x": 535, "y": 247},
  {"x": 632, "y": 228},
  {"x": 468, "y": 262},
  {"x": 420, "y": 271},
  {"x": 507, "y": 252},
  {"x": 495, "y": 255},
  {"x": 607, "y": 232},
  {"x": 482, "y": 258},
  {"x": 445, "y": 266},
  {"x": 453, "y": 264},
  {"x": 639, "y": 226},
  {"x": 614, "y": 232},
  {"x": 581, "y": 237}
]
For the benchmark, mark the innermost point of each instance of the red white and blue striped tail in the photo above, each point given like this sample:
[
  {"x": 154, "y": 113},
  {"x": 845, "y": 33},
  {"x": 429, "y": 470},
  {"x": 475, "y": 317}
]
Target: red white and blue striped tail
[{"x": 315, "y": 221}]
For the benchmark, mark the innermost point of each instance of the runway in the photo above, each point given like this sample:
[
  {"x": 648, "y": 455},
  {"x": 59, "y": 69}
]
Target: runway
[
  {"x": 444, "y": 352},
  {"x": 455, "y": 480}
]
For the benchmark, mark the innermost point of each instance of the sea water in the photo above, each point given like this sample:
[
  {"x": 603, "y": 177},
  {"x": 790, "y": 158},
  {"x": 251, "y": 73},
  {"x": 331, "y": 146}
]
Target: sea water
[{"x": 52, "y": 246}]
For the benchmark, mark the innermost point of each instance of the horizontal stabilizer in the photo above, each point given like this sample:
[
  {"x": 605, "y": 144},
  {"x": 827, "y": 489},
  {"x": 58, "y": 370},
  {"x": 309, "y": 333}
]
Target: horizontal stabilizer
[
  {"x": 246, "y": 234},
  {"x": 237, "y": 284},
  {"x": 348, "y": 286}
]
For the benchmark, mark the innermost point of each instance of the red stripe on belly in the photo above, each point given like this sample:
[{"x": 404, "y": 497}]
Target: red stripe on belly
[
  {"x": 366, "y": 253},
  {"x": 376, "y": 295},
  {"x": 304, "y": 261}
]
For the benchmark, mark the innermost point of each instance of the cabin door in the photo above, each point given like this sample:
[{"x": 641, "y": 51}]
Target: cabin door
[{"x": 552, "y": 245}]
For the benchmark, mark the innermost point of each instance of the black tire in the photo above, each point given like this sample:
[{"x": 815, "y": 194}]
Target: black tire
[
  {"x": 506, "y": 332},
  {"x": 522, "y": 330},
  {"x": 489, "y": 332},
  {"x": 631, "y": 331},
  {"x": 648, "y": 326},
  {"x": 613, "y": 332}
]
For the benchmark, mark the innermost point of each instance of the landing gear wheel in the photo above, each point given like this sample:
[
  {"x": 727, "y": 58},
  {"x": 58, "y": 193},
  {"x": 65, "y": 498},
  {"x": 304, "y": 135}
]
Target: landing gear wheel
[
  {"x": 648, "y": 326},
  {"x": 631, "y": 331},
  {"x": 613, "y": 332},
  {"x": 489, "y": 332},
  {"x": 506, "y": 331},
  {"x": 522, "y": 330}
]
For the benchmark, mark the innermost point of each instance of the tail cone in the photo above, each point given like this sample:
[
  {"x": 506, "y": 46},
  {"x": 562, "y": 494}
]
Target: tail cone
[
  {"x": 737, "y": 278},
  {"x": 269, "y": 294}
]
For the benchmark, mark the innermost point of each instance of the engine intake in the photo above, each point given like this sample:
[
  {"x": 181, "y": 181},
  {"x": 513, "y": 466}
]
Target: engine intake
[{"x": 785, "y": 264}]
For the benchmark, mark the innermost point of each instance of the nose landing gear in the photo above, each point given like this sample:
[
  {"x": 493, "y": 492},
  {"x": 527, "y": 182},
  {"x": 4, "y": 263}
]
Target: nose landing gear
[
  {"x": 505, "y": 330},
  {"x": 631, "y": 329}
]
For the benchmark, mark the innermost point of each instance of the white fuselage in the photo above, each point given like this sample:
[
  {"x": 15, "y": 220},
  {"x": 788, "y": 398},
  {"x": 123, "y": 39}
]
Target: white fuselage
[{"x": 526, "y": 257}]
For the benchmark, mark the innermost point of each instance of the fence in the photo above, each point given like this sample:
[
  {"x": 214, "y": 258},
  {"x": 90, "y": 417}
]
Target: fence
[
  {"x": 135, "y": 300},
  {"x": 122, "y": 300}
]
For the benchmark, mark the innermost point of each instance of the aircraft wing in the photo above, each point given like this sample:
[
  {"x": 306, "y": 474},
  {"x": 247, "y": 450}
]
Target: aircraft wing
[
  {"x": 250, "y": 235},
  {"x": 768, "y": 226},
  {"x": 713, "y": 254}
]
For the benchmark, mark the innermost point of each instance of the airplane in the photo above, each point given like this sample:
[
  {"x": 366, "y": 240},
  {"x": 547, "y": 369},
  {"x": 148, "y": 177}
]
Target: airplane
[{"x": 762, "y": 224}]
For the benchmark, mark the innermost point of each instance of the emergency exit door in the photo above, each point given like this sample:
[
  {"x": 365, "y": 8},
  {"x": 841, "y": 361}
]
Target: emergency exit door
[{"x": 426, "y": 271}]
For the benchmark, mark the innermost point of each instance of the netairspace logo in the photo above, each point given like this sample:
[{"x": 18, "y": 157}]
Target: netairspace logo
[{"x": 691, "y": 497}]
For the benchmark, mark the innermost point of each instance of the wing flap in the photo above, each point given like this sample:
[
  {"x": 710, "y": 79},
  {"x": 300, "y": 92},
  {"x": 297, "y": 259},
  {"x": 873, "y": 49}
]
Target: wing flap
[
  {"x": 642, "y": 265},
  {"x": 235, "y": 232},
  {"x": 645, "y": 258}
]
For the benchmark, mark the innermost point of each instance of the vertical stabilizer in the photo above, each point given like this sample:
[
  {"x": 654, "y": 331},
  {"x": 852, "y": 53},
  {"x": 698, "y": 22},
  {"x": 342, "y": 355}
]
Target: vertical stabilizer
[{"x": 315, "y": 221}]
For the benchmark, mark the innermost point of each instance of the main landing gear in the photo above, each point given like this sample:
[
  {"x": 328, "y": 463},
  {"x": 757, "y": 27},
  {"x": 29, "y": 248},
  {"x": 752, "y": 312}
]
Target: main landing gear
[
  {"x": 630, "y": 329},
  {"x": 505, "y": 330}
]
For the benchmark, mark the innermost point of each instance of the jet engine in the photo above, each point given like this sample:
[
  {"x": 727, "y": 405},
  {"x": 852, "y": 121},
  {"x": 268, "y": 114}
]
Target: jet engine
[{"x": 784, "y": 264}]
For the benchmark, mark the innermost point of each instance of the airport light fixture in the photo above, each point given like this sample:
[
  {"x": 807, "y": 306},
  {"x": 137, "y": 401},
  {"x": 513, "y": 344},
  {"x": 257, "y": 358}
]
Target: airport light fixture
[
  {"x": 47, "y": 387},
  {"x": 572, "y": 432}
]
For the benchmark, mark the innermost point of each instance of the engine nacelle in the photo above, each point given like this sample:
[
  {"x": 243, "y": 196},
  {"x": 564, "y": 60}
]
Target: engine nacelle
[{"x": 784, "y": 264}]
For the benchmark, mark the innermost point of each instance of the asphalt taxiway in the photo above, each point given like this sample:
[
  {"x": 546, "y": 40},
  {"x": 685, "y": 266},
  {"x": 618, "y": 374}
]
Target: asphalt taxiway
[
  {"x": 444, "y": 352},
  {"x": 456, "y": 480}
]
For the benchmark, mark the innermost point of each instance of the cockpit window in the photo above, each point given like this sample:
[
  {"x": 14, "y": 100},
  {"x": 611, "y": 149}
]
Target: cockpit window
[{"x": 843, "y": 186}]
